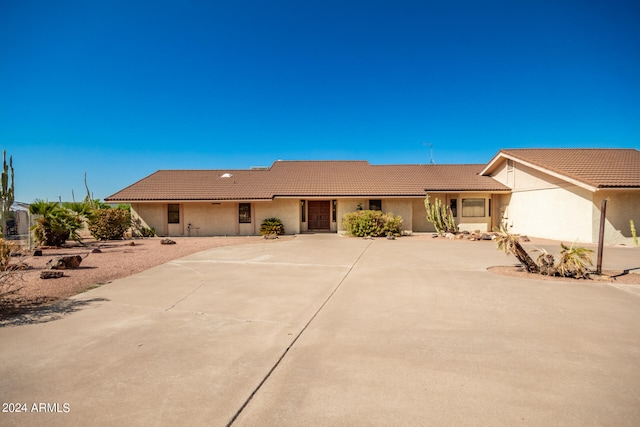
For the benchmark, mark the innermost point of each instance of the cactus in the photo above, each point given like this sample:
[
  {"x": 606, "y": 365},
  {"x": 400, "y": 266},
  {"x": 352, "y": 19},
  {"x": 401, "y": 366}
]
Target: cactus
[
  {"x": 633, "y": 232},
  {"x": 6, "y": 192},
  {"x": 440, "y": 216}
]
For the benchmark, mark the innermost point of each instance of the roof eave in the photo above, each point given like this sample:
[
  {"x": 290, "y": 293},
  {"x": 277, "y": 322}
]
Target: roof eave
[{"x": 502, "y": 155}]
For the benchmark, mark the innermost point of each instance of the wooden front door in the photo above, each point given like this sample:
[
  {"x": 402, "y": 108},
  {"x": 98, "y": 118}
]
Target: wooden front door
[{"x": 319, "y": 214}]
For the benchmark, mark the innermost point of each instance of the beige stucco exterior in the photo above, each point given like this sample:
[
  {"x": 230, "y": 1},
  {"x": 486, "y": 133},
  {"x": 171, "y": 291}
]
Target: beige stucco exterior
[
  {"x": 548, "y": 206},
  {"x": 221, "y": 218}
]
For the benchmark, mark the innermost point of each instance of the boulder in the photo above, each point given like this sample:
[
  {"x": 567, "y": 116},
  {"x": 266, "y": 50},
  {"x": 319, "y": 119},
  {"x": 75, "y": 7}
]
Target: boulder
[
  {"x": 37, "y": 252},
  {"x": 48, "y": 274},
  {"x": 167, "y": 242},
  {"x": 64, "y": 262}
]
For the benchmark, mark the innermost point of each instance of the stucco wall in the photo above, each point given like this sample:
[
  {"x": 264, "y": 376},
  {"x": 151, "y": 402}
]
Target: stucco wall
[
  {"x": 622, "y": 206},
  {"x": 217, "y": 219},
  {"x": 208, "y": 219},
  {"x": 545, "y": 206},
  {"x": 287, "y": 210},
  {"x": 419, "y": 217},
  {"x": 151, "y": 215},
  {"x": 401, "y": 207}
]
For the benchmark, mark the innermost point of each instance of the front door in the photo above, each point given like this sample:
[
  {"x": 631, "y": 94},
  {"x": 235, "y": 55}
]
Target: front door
[{"x": 319, "y": 214}]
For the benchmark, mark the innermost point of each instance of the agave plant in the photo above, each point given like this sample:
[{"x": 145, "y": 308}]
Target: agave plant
[
  {"x": 573, "y": 261},
  {"x": 510, "y": 243}
]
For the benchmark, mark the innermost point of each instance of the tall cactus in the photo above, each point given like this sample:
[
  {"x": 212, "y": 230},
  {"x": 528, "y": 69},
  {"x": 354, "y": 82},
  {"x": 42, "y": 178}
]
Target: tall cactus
[
  {"x": 440, "y": 216},
  {"x": 7, "y": 192}
]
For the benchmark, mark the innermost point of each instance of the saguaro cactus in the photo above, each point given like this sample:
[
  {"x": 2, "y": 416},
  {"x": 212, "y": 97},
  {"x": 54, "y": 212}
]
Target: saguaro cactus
[{"x": 6, "y": 192}]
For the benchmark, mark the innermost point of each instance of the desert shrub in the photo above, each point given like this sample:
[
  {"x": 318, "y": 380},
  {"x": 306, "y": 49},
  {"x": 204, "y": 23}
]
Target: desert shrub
[
  {"x": 271, "y": 226},
  {"x": 5, "y": 254},
  {"x": 109, "y": 224},
  {"x": 368, "y": 223}
]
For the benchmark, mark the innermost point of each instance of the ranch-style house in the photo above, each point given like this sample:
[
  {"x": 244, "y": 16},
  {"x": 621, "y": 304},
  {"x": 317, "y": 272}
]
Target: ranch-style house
[{"x": 549, "y": 193}]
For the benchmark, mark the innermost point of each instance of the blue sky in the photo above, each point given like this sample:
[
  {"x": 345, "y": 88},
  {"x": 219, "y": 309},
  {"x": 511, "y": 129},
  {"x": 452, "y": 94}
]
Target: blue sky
[{"x": 120, "y": 89}]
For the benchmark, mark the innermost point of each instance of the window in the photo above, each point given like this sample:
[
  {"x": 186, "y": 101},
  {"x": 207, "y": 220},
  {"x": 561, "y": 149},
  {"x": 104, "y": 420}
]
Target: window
[
  {"x": 244, "y": 213},
  {"x": 334, "y": 210},
  {"x": 375, "y": 205},
  {"x": 453, "y": 205},
  {"x": 173, "y": 213},
  {"x": 473, "y": 207},
  {"x": 303, "y": 210}
]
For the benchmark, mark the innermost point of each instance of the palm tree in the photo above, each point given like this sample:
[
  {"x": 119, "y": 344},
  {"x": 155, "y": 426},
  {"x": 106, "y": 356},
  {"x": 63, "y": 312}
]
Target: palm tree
[
  {"x": 510, "y": 243},
  {"x": 573, "y": 261},
  {"x": 55, "y": 224}
]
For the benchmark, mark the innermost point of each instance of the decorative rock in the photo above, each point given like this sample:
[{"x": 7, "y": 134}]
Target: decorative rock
[
  {"x": 524, "y": 239},
  {"x": 167, "y": 242},
  {"x": 64, "y": 262},
  {"x": 37, "y": 252},
  {"x": 96, "y": 251},
  {"x": 485, "y": 236},
  {"x": 132, "y": 244},
  {"x": 47, "y": 274},
  {"x": 271, "y": 236},
  {"x": 450, "y": 236}
]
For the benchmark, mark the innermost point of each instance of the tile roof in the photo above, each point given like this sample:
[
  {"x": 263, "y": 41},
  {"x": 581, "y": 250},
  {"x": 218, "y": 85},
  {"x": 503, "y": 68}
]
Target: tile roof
[
  {"x": 307, "y": 179},
  {"x": 596, "y": 167}
]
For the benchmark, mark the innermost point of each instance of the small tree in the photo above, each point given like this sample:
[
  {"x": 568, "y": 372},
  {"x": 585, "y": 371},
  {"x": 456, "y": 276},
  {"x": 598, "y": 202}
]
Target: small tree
[
  {"x": 7, "y": 191},
  {"x": 440, "y": 216}
]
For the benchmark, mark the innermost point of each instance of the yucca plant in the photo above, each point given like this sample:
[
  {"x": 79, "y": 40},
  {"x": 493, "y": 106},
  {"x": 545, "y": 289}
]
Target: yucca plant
[
  {"x": 510, "y": 243},
  {"x": 271, "y": 226},
  {"x": 573, "y": 261}
]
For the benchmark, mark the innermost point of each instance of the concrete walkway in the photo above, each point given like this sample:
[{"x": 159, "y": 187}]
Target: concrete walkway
[{"x": 323, "y": 330}]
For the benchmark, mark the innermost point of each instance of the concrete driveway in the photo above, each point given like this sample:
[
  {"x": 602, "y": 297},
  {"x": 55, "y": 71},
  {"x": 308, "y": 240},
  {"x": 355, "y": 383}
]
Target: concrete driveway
[{"x": 323, "y": 331}]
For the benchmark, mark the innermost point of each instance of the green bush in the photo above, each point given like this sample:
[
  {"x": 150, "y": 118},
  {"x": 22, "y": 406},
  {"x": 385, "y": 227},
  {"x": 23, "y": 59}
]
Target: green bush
[
  {"x": 271, "y": 226},
  {"x": 109, "y": 224},
  {"x": 367, "y": 223}
]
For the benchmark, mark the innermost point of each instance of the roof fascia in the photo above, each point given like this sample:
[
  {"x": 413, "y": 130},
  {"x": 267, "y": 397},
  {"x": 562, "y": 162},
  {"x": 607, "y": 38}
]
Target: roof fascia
[
  {"x": 469, "y": 191},
  {"x": 190, "y": 201},
  {"x": 502, "y": 155}
]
